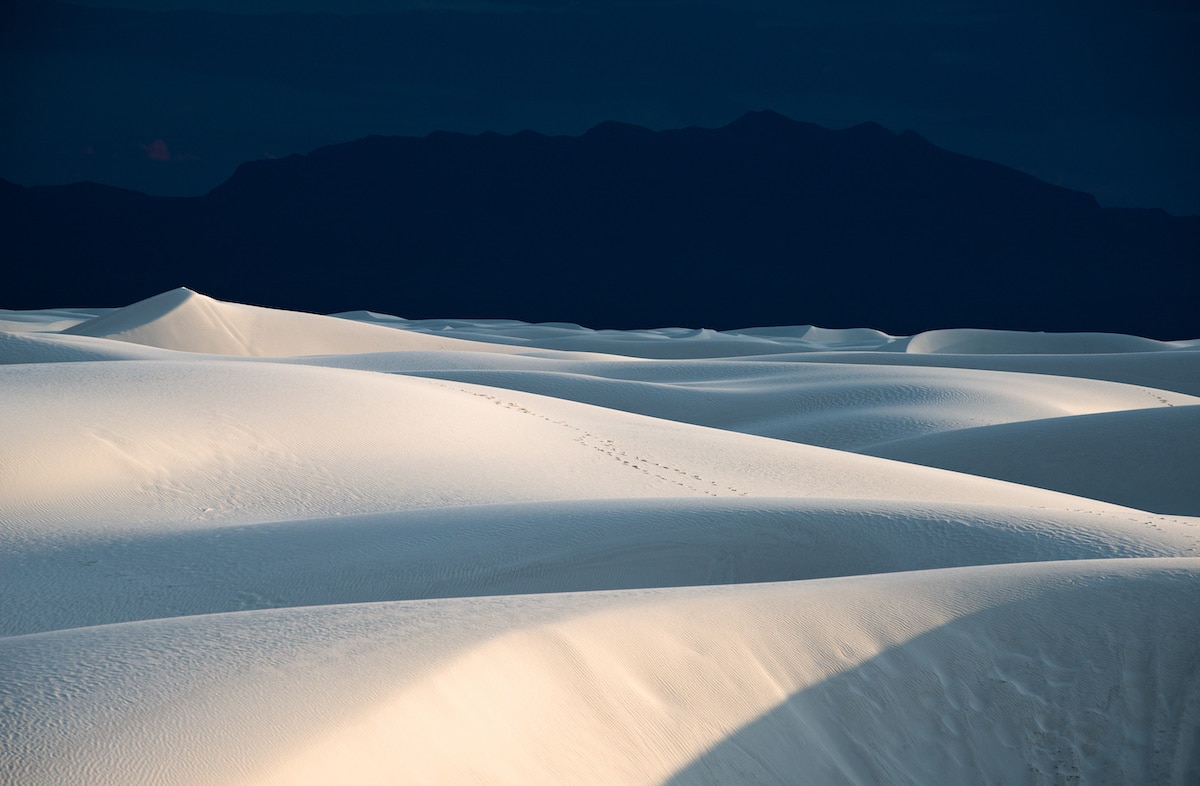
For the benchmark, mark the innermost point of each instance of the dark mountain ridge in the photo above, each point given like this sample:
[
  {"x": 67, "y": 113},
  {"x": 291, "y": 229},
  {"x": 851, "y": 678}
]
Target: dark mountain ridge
[{"x": 764, "y": 221}]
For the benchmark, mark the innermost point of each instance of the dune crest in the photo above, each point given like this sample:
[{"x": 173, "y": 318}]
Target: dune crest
[
  {"x": 973, "y": 341},
  {"x": 184, "y": 320}
]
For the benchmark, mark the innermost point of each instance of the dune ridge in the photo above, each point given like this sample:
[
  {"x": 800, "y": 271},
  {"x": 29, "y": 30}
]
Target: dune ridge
[
  {"x": 184, "y": 320},
  {"x": 246, "y": 546}
]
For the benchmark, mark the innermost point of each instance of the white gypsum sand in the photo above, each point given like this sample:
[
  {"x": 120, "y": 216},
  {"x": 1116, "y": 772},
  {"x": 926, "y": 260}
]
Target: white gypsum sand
[{"x": 244, "y": 545}]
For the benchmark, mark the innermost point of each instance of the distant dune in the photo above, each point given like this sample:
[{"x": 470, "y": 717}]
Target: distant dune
[
  {"x": 183, "y": 320},
  {"x": 247, "y": 545}
]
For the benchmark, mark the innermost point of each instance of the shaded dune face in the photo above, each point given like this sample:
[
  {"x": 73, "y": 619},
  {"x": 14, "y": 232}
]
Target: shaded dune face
[{"x": 243, "y": 545}]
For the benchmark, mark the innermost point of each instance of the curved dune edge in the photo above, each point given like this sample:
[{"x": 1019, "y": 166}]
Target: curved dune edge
[
  {"x": 967, "y": 341},
  {"x": 906, "y": 676},
  {"x": 683, "y": 343},
  {"x": 1177, "y": 370},
  {"x": 834, "y": 405},
  {"x": 187, "y": 321},
  {"x": 1147, "y": 458},
  {"x": 570, "y": 546}
]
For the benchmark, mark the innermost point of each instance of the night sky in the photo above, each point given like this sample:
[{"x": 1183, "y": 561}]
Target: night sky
[{"x": 168, "y": 97}]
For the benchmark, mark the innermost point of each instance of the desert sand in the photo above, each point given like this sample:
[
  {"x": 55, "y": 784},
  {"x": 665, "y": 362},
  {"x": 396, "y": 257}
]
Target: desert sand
[{"x": 250, "y": 546}]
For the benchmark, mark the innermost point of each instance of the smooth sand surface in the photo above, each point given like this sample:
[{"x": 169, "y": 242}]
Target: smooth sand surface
[{"x": 248, "y": 546}]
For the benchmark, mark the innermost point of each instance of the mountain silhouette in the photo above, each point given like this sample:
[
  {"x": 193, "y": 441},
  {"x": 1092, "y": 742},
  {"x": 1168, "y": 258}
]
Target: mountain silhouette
[{"x": 764, "y": 221}]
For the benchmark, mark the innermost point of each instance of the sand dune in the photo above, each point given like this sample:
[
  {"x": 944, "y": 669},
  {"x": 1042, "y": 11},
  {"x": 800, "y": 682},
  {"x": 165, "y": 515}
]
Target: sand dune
[
  {"x": 660, "y": 343},
  {"x": 240, "y": 545},
  {"x": 184, "y": 320},
  {"x": 678, "y": 343},
  {"x": 96, "y": 578},
  {"x": 1175, "y": 370},
  {"x": 1026, "y": 672},
  {"x": 1143, "y": 458},
  {"x": 961, "y": 341},
  {"x": 836, "y": 405},
  {"x": 113, "y": 446}
]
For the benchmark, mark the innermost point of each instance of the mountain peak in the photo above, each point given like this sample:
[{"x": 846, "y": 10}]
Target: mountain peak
[{"x": 767, "y": 123}]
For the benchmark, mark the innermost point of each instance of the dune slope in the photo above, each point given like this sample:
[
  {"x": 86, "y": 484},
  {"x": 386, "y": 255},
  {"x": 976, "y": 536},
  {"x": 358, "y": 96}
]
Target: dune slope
[
  {"x": 1143, "y": 458},
  {"x": 907, "y": 678}
]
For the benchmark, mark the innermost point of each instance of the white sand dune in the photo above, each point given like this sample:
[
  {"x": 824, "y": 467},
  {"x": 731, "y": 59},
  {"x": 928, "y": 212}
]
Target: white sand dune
[
  {"x": 114, "y": 446},
  {"x": 679, "y": 343},
  {"x": 660, "y": 343},
  {"x": 1176, "y": 369},
  {"x": 1113, "y": 456},
  {"x": 836, "y": 405},
  {"x": 966, "y": 341},
  {"x": 184, "y": 320},
  {"x": 1028, "y": 673},
  {"x": 96, "y": 579},
  {"x": 240, "y": 545},
  {"x": 48, "y": 320}
]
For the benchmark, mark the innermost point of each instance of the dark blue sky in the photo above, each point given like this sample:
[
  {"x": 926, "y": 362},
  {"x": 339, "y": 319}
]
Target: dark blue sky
[{"x": 168, "y": 97}]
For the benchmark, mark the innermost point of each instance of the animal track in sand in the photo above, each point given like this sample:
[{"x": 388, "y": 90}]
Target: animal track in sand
[
  {"x": 1154, "y": 395},
  {"x": 610, "y": 448}
]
